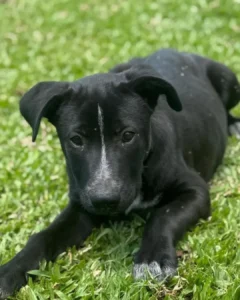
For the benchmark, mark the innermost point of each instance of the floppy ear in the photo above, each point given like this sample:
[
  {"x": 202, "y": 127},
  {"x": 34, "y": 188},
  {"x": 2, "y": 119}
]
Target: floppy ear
[
  {"x": 146, "y": 82},
  {"x": 42, "y": 100}
]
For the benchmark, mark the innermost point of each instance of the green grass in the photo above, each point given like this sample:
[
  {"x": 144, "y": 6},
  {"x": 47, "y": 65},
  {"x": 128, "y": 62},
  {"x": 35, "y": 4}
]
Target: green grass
[{"x": 65, "y": 40}]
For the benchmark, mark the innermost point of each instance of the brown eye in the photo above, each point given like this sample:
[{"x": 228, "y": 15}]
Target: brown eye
[
  {"x": 127, "y": 136},
  {"x": 76, "y": 141}
]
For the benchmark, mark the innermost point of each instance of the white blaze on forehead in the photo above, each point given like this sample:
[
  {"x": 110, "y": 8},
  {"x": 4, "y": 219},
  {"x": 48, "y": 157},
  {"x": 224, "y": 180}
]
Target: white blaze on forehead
[{"x": 104, "y": 171}]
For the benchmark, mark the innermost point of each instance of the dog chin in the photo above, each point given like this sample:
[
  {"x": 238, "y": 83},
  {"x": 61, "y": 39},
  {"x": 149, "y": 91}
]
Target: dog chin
[{"x": 100, "y": 212}]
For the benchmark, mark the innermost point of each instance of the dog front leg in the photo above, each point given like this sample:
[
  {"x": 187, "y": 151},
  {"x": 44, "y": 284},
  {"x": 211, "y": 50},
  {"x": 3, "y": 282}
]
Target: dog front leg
[
  {"x": 69, "y": 229},
  {"x": 186, "y": 204}
]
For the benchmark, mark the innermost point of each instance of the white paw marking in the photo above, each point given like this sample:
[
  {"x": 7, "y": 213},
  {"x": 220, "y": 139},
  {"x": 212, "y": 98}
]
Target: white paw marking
[
  {"x": 234, "y": 129},
  {"x": 144, "y": 270},
  {"x": 3, "y": 295},
  {"x": 169, "y": 271}
]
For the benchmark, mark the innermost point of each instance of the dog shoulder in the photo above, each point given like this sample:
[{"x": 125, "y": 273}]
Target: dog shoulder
[{"x": 165, "y": 156}]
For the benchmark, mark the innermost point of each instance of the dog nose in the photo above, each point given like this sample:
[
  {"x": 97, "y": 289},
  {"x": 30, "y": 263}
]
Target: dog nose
[{"x": 106, "y": 202}]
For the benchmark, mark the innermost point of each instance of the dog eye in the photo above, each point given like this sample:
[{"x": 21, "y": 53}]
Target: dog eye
[
  {"x": 127, "y": 136},
  {"x": 76, "y": 140}
]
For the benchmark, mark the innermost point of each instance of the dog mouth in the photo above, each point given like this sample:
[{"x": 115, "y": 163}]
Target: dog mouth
[{"x": 106, "y": 211}]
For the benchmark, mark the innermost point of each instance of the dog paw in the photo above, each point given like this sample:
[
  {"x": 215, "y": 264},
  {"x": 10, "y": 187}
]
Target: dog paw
[
  {"x": 11, "y": 280},
  {"x": 4, "y": 292},
  {"x": 156, "y": 260},
  {"x": 154, "y": 270},
  {"x": 234, "y": 129}
]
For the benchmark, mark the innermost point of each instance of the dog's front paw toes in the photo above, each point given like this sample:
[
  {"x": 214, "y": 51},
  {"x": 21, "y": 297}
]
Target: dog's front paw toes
[
  {"x": 11, "y": 280},
  {"x": 4, "y": 293},
  {"x": 154, "y": 270}
]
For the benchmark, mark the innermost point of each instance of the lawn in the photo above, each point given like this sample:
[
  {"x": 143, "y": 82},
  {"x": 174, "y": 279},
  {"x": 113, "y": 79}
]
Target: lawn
[{"x": 65, "y": 40}]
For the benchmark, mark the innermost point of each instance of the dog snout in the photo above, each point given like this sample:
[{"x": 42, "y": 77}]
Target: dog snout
[{"x": 105, "y": 196}]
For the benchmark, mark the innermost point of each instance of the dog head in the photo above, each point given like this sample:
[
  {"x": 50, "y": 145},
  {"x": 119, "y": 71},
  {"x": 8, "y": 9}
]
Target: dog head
[{"x": 103, "y": 123}]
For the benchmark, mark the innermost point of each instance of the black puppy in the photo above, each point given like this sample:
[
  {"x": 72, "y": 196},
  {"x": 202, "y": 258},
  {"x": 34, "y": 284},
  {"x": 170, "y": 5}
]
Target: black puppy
[{"x": 148, "y": 134}]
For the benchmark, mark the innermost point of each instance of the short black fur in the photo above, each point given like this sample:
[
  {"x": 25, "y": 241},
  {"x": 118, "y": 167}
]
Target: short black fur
[{"x": 150, "y": 133}]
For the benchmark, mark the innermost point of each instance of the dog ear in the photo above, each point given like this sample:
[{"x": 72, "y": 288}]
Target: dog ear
[
  {"x": 146, "y": 82},
  {"x": 42, "y": 100}
]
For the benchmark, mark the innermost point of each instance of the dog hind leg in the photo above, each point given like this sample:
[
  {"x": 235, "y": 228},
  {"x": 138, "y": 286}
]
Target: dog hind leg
[{"x": 227, "y": 86}]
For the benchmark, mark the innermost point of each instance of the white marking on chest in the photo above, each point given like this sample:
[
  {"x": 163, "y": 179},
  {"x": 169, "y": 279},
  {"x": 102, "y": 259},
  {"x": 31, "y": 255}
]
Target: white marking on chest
[
  {"x": 139, "y": 204},
  {"x": 104, "y": 171}
]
